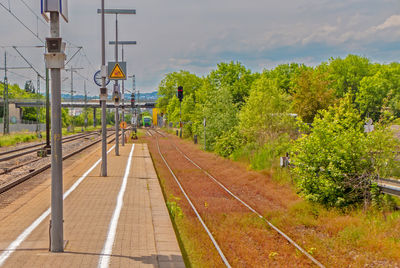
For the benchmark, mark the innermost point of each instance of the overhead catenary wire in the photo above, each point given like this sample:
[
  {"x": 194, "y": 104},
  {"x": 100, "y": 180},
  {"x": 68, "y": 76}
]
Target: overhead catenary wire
[
  {"x": 33, "y": 12},
  {"x": 22, "y": 23}
]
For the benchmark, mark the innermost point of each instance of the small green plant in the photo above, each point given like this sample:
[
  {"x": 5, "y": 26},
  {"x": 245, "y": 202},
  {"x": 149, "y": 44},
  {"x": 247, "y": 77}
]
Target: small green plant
[
  {"x": 381, "y": 201},
  {"x": 311, "y": 250},
  {"x": 173, "y": 208},
  {"x": 272, "y": 255}
]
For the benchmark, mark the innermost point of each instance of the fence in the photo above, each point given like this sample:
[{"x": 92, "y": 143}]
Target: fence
[{"x": 22, "y": 126}]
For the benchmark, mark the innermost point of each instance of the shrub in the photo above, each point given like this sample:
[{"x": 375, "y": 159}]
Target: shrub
[
  {"x": 336, "y": 163},
  {"x": 228, "y": 142}
]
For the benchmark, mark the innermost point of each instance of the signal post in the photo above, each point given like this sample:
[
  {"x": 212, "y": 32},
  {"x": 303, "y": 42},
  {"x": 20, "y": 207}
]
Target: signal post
[{"x": 180, "y": 97}]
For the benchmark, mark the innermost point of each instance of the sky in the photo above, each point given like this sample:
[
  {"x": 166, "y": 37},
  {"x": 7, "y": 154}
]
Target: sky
[{"x": 192, "y": 35}]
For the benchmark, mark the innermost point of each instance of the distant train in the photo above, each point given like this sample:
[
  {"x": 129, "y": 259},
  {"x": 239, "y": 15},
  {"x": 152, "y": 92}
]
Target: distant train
[{"x": 146, "y": 121}]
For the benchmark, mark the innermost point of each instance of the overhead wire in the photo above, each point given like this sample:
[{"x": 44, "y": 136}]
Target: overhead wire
[
  {"x": 21, "y": 22},
  {"x": 19, "y": 75},
  {"x": 33, "y": 12}
]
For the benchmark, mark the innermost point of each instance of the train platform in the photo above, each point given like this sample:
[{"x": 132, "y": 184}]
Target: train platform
[{"x": 116, "y": 221}]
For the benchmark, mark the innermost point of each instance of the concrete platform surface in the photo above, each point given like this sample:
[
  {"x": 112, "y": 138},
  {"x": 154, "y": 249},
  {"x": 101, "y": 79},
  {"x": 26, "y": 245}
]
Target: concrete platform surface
[{"x": 100, "y": 231}]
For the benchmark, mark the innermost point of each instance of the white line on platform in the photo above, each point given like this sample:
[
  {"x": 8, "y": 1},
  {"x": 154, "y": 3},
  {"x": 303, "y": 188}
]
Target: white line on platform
[
  {"x": 104, "y": 260},
  {"x": 15, "y": 244}
]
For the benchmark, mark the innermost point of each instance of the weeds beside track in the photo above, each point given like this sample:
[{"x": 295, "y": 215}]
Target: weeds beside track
[{"x": 225, "y": 189}]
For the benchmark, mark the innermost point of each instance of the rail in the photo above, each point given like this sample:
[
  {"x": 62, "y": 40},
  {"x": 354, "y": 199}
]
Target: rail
[
  {"x": 280, "y": 232},
  {"x": 12, "y": 184}
]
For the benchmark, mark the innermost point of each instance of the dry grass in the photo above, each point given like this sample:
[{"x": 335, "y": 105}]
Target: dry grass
[{"x": 354, "y": 239}]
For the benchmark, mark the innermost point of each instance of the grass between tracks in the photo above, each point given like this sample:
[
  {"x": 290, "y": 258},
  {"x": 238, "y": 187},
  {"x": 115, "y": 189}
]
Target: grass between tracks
[{"x": 337, "y": 238}]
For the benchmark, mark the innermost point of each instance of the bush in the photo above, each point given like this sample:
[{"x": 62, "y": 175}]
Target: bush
[
  {"x": 336, "y": 163},
  {"x": 228, "y": 142},
  {"x": 264, "y": 157}
]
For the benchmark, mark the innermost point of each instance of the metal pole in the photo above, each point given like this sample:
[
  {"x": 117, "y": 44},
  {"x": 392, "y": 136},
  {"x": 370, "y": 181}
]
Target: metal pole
[
  {"x": 47, "y": 147},
  {"x": 94, "y": 117},
  {"x": 57, "y": 232},
  {"x": 37, "y": 107},
  {"x": 116, "y": 84},
  {"x": 123, "y": 102},
  {"x": 72, "y": 96},
  {"x": 6, "y": 129},
  {"x": 180, "y": 119},
  {"x": 86, "y": 116},
  {"x": 134, "y": 94},
  {"x": 204, "y": 123},
  {"x": 103, "y": 102}
]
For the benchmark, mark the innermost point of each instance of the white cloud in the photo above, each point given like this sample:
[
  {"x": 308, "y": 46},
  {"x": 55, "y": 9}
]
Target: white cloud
[
  {"x": 392, "y": 21},
  {"x": 196, "y": 35}
]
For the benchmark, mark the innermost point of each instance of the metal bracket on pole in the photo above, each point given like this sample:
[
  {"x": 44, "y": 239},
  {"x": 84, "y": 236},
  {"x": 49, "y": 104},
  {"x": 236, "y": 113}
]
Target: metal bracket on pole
[{"x": 103, "y": 94}]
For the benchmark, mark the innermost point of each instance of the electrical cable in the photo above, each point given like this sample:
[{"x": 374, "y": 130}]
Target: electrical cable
[{"x": 20, "y": 21}]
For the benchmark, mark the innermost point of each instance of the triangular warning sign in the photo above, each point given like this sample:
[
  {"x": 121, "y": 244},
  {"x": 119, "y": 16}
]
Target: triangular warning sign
[{"x": 117, "y": 72}]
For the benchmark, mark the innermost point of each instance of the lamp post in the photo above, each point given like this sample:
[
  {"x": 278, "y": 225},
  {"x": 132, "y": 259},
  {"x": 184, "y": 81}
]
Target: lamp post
[
  {"x": 122, "y": 43},
  {"x": 116, "y": 12}
]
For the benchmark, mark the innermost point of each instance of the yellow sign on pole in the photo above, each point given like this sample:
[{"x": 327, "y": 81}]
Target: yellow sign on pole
[
  {"x": 117, "y": 72},
  {"x": 123, "y": 125}
]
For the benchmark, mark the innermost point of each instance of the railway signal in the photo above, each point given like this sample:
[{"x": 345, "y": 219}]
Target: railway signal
[
  {"x": 180, "y": 97},
  {"x": 180, "y": 93}
]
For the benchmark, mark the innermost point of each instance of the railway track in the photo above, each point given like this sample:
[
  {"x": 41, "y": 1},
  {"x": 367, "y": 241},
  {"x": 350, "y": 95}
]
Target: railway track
[
  {"x": 28, "y": 149},
  {"x": 14, "y": 182},
  {"x": 156, "y": 134}
]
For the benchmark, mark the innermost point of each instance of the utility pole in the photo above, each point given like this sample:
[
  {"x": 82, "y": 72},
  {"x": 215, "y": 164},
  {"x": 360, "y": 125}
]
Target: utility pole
[
  {"x": 47, "y": 147},
  {"x": 122, "y": 43},
  {"x": 103, "y": 96},
  {"x": 6, "y": 129},
  {"x": 116, "y": 12},
  {"x": 138, "y": 108},
  {"x": 116, "y": 85},
  {"x": 37, "y": 91},
  {"x": 37, "y": 107},
  {"x": 133, "y": 109},
  {"x": 72, "y": 70},
  {"x": 85, "y": 109},
  {"x": 55, "y": 61},
  {"x": 72, "y": 99}
]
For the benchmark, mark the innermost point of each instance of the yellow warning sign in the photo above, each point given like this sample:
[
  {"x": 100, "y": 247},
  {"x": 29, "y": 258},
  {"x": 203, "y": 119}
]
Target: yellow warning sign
[
  {"x": 117, "y": 72},
  {"x": 123, "y": 125}
]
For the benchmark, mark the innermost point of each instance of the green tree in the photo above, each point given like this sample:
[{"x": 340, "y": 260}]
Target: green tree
[
  {"x": 232, "y": 76},
  {"x": 266, "y": 112},
  {"x": 220, "y": 113},
  {"x": 168, "y": 87},
  {"x": 312, "y": 93},
  {"x": 380, "y": 91},
  {"x": 346, "y": 74},
  {"x": 285, "y": 75},
  {"x": 336, "y": 163}
]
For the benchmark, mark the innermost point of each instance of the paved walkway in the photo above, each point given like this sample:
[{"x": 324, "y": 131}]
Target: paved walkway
[{"x": 143, "y": 237}]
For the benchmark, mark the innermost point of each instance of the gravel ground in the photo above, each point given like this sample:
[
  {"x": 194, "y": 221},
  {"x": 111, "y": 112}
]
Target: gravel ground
[{"x": 32, "y": 164}]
